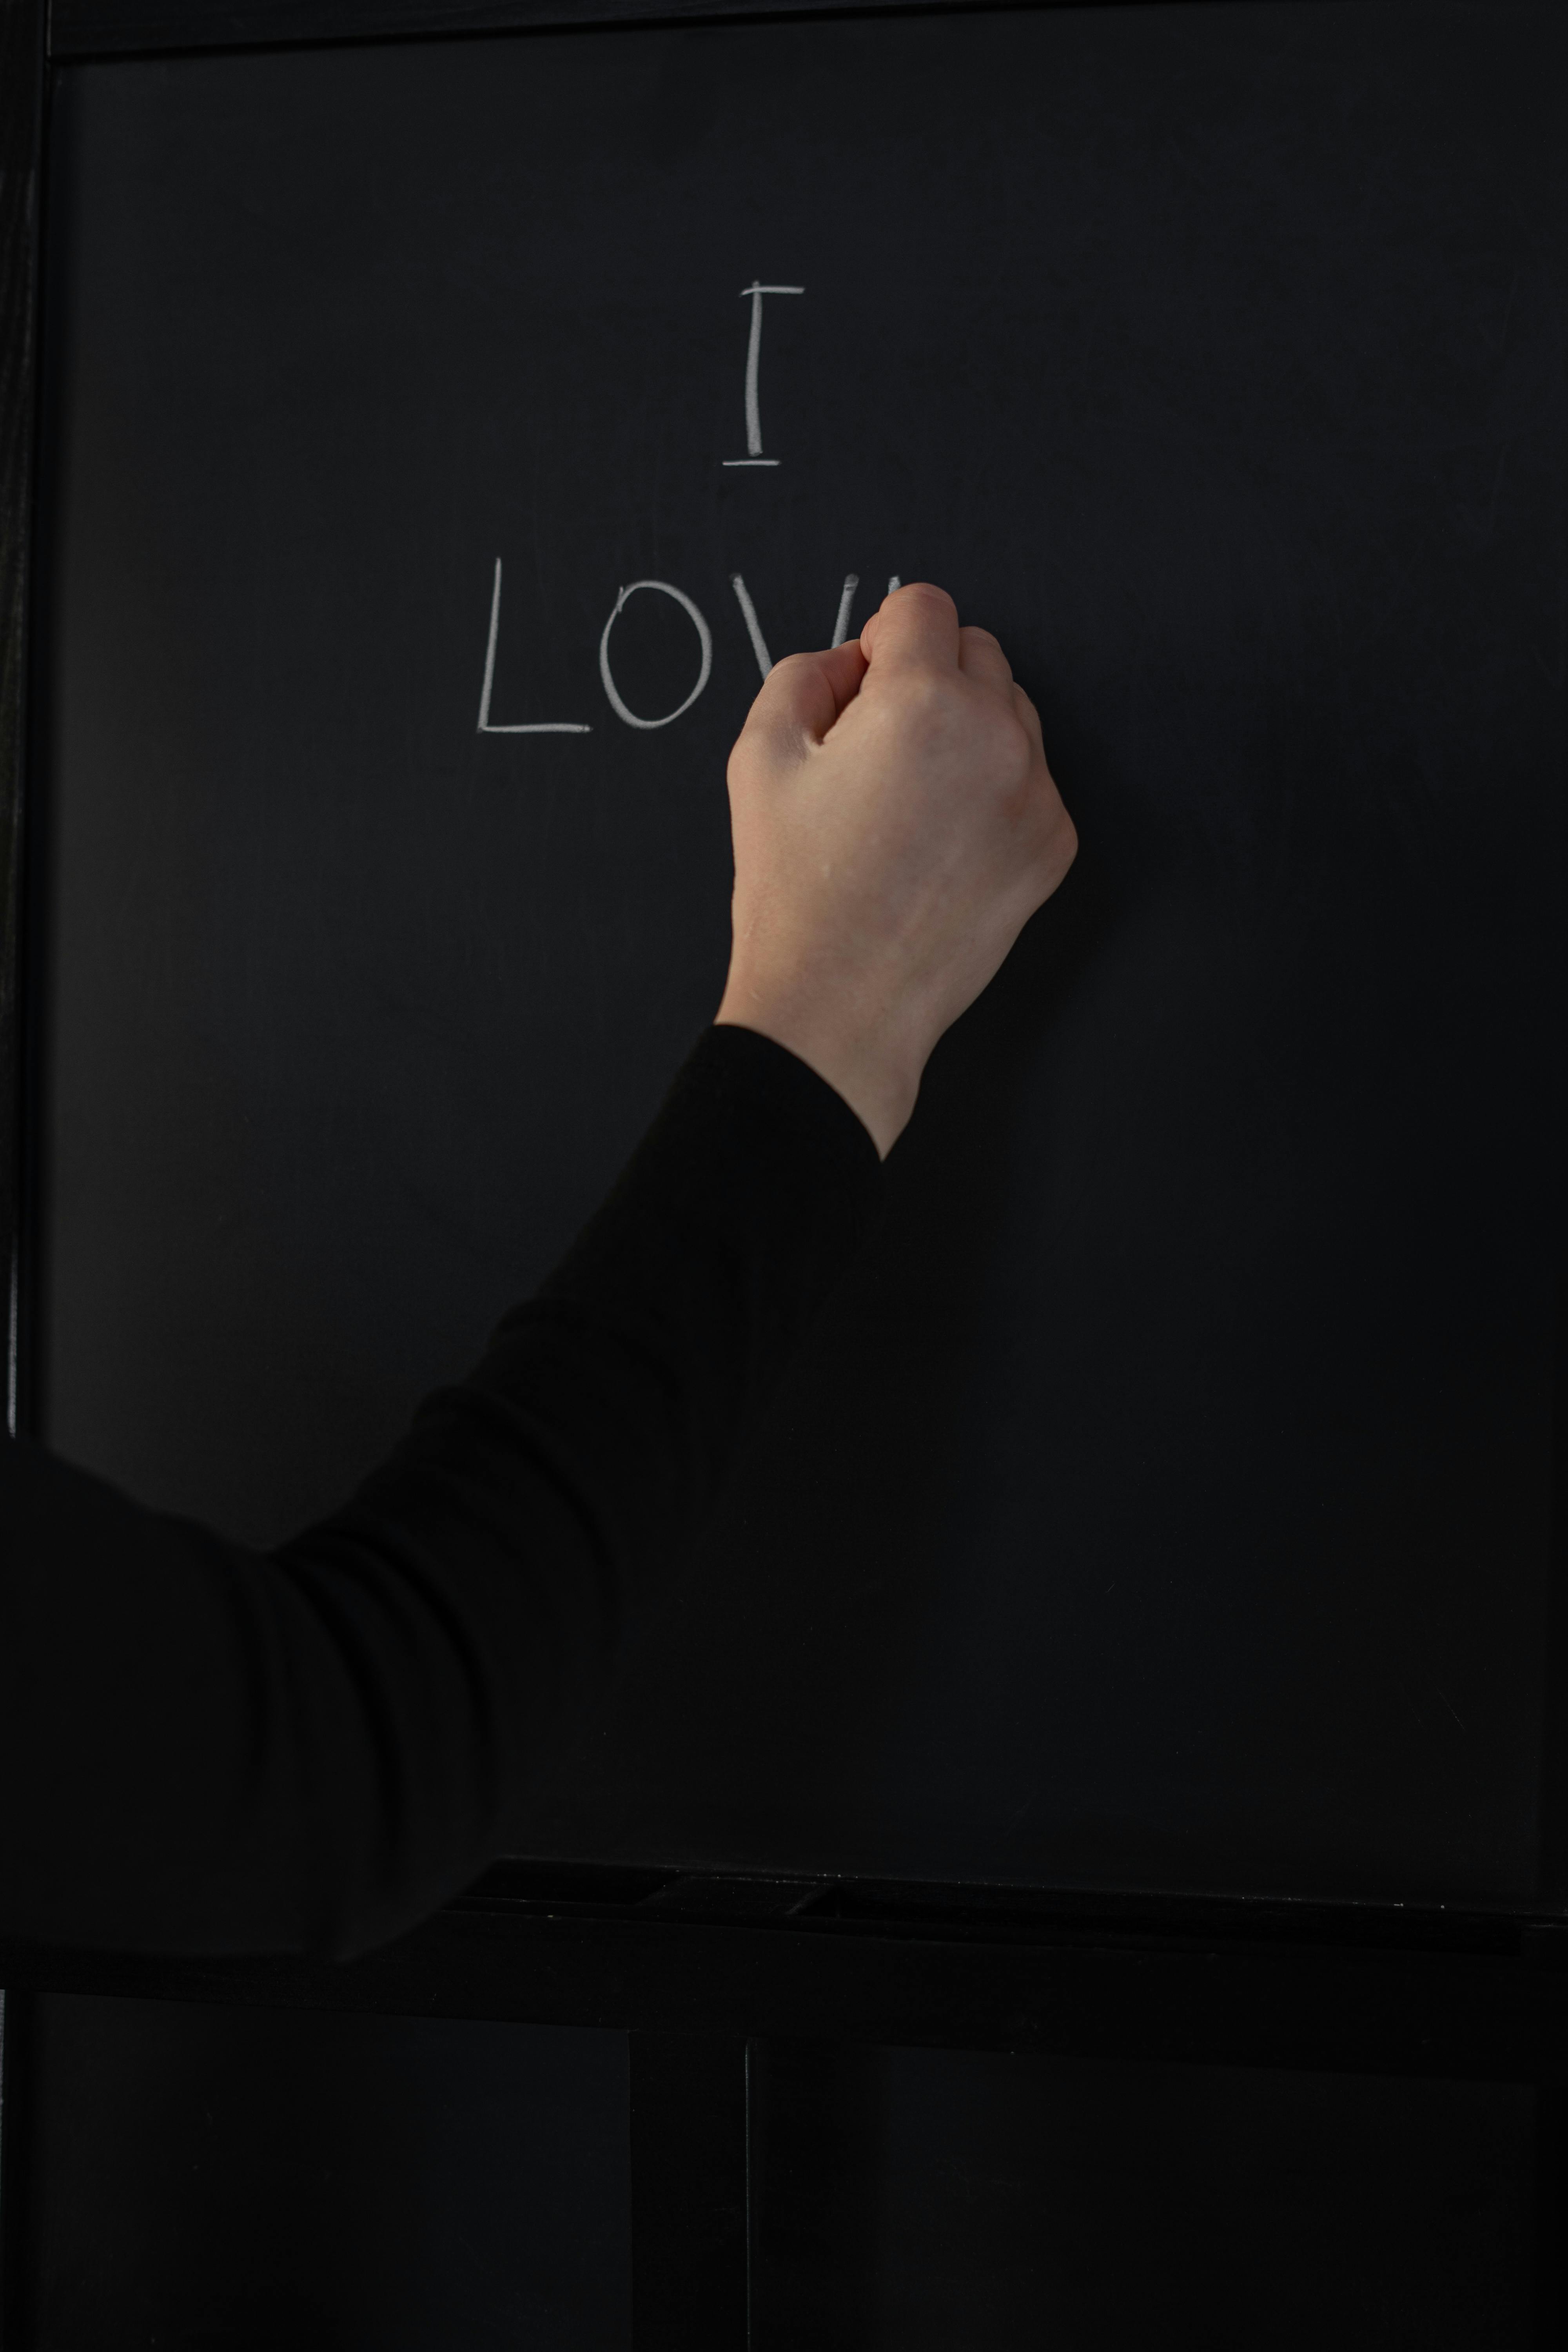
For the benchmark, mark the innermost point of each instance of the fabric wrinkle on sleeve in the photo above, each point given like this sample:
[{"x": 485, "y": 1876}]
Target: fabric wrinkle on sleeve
[{"x": 207, "y": 1749}]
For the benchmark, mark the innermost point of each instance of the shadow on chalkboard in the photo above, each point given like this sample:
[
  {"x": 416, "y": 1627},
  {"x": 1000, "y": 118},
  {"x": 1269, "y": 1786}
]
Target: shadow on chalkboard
[{"x": 705, "y": 1680}]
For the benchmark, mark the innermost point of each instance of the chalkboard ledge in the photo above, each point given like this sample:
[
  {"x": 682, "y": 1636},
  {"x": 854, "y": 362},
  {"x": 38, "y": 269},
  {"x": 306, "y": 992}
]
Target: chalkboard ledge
[{"x": 1391, "y": 1989}]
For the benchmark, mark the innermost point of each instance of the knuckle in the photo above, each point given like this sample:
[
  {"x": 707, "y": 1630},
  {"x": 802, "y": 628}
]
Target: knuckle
[
  {"x": 1007, "y": 740},
  {"x": 1012, "y": 763},
  {"x": 926, "y": 592}
]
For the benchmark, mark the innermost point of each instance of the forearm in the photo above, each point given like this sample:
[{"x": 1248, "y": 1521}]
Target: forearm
[{"x": 204, "y": 1749}]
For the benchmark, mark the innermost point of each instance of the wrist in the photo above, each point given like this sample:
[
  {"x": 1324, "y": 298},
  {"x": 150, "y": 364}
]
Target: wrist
[{"x": 874, "y": 1072}]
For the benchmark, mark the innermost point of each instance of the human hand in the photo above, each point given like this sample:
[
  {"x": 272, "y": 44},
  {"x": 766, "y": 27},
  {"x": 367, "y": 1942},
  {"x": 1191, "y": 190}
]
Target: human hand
[{"x": 895, "y": 826}]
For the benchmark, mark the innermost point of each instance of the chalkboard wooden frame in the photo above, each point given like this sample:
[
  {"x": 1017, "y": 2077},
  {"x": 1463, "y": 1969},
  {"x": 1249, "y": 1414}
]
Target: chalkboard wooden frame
[
  {"x": 21, "y": 155},
  {"x": 22, "y": 31},
  {"x": 80, "y": 29},
  {"x": 1346, "y": 1988}
]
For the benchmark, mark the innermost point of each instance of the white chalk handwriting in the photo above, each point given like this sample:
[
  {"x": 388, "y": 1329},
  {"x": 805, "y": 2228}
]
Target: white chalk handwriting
[
  {"x": 754, "y": 293},
  {"x": 534, "y": 727},
  {"x": 753, "y": 456},
  {"x": 704, "y": 639}
]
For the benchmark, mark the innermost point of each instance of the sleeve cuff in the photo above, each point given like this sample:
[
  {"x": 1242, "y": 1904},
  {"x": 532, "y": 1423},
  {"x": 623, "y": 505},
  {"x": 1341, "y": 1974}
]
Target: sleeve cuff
[{"x": 752, "y": 1157}]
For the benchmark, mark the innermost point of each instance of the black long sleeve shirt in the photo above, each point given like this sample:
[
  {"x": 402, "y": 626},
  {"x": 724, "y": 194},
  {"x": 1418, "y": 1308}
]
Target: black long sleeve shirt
[{"x": 205, "y": 1748}]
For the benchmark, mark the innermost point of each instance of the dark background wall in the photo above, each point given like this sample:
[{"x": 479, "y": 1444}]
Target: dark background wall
[
  {"x": 924, "y": 2198},
  {"x": 213, "y": 2177},
  {"x": 209, "y": 2177}
]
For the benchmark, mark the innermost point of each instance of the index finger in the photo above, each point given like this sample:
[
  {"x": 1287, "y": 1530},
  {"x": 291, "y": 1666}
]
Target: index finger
[
  {"x": 808, "y": 693},
  {"x": 916, "y": 628}
]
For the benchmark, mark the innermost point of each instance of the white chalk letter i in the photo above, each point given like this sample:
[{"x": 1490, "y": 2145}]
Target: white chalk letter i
[{"x": 753, "y": 293}]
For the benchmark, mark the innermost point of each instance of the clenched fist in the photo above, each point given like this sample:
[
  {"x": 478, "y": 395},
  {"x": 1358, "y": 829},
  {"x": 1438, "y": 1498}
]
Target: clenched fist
[{"x": 895, "y": 826}]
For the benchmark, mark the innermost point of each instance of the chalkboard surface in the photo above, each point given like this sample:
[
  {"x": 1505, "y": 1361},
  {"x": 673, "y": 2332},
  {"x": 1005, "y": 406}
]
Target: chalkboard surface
[{"x": 1167, "y": 1502}]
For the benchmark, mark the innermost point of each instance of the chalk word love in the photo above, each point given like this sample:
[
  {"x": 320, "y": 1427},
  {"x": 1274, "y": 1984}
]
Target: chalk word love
[{"x": 617, "y": 702}]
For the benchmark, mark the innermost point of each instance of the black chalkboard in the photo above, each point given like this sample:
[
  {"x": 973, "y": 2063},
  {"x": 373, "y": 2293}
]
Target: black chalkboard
[{"x": 1167, "y": 1504}]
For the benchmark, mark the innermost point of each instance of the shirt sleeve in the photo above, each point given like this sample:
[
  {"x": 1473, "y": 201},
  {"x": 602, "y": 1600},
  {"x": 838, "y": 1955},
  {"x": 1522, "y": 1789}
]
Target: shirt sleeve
[{"x": 205, "y": 1748}]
